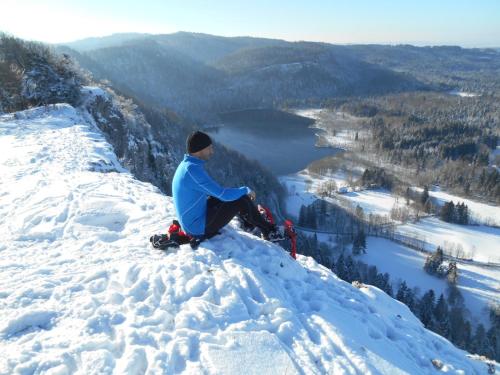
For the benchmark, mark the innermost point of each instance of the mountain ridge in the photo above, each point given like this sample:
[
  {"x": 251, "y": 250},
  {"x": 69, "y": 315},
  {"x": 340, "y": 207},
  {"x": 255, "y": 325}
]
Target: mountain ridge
[{"x": 232, "y": 72}]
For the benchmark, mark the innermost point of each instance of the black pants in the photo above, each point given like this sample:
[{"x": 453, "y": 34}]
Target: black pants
[{"x": 220, "y": 213}]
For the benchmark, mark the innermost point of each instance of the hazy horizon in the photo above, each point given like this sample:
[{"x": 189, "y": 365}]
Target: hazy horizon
[
  {"x": 413, "y": 43},
  {"x": 460, "y": 22}
]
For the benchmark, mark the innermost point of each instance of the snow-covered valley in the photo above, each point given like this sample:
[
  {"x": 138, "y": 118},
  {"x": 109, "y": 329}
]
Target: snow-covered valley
[
  {"x": 82, "y": 291},
  {"x": 479, "y": 277}
]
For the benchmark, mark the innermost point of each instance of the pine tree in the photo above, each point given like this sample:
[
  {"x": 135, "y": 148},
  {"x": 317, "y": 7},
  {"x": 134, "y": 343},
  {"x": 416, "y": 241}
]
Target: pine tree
[
  {"x": 382, "y": 281},
  {"x": 455, "y": 298},
  {"x": 311, "y": 217},
  {"x": 494, "y": 331},
  {"x": 433, "y": 261},
  {"x": 446, "y": 213},
  {"x": 452, "y": 212},
  {"x": 372, "y": 275},
  {"x": 459, "y": 213},
  {"x": 351, "y": 271},
  {"x": 407, "y": 196},
  {"x": 426, "y": 309},
  {"x": 314, "y": 245},
  {"x": 428, "y": 206},
  {"x": 403, "y": 293},
  {"x": 467, "y": 189},
  {"x": 480, "y": 343},
  {"x": 359, "y": 243},
  {"x": 363, "y": 271},
  {"x": 441, "y": 316},
  {"x": 302, "y": 216},
  {"x": 411, "y": 300},
  {"x": 452, "y": 274},
  {"x": 308, "y": 217},
  {"x": 322, "y": 211},
  {"x": 425, "y": 196},
  {"x": 362, "y": 241},
  {"x": 457, "y": 326},
  {"x": 355, "y": 246},
  {"x": 467, "y": 335},
  {"x": 360, "y": 213},
  {"x": 388, "y": 285},
  {"x": 340, "y": 268}
]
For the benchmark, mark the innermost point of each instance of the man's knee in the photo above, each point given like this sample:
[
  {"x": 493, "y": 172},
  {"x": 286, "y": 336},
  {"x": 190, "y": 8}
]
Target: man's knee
[{"x": 245, "y": 202}]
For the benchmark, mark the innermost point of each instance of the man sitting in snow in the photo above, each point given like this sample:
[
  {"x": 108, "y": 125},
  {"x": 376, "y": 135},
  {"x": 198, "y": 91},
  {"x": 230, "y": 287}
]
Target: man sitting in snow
[{"x": 203, "y": 206}]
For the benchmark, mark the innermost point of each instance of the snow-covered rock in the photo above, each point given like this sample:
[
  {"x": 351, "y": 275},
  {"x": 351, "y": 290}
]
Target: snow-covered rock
[{"x": 82, "y": 291}]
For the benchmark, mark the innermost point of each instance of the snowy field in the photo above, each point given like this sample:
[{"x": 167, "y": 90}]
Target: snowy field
[
  {"x": 302, "y": 188},
  {"x": 463, "y": 94},
  {"x": 480, "y": 286},
  {"x": 377, "y": 201},
  {"x": 82, "y": 291},
  {"x": 313, "y": 113},
  {"x": 343, "y": 139},
  {"x": 480, "y": 212},
  {"x": 341, "y": 134},
  {"x": 477, "y": 242},
  {"x": 299, "y": 193}
]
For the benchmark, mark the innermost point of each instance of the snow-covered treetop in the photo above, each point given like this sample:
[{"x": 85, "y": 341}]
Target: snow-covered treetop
[{"x": 32, "y": 74}]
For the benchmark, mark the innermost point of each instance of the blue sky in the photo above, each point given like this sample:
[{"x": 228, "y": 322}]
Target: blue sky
[{"x": 469, "y": 23}]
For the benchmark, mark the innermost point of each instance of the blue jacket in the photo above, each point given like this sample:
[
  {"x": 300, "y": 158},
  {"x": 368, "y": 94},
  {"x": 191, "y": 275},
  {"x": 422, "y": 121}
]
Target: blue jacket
[{"x": 191, "y": 187}]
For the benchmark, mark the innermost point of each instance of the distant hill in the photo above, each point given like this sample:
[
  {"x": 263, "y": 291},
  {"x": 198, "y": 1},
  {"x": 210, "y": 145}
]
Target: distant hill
[
  {"x": 89, "y": 44},
  {"x": 199, "y": 75}
]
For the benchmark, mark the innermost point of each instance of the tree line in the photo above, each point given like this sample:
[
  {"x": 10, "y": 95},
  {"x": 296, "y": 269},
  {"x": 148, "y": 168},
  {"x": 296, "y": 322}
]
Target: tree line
[
  {"x": 455, "y": 213},
  {"x": 444, "y": 139}
]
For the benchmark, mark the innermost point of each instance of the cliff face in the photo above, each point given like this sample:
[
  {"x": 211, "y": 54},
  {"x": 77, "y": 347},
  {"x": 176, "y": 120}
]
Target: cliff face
[{"x": 149, "y": 153}]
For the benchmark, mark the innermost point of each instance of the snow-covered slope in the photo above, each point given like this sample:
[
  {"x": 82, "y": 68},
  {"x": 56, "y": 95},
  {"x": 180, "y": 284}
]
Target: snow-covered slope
[{"x": 82, "y": 291}]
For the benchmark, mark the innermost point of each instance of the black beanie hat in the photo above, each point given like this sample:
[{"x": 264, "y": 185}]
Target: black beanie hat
[{"x": 197, "y": 141}]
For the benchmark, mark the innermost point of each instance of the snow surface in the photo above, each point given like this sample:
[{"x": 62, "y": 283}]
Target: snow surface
[
  {"x": 313, "y": 113},
  {"x": 479, "y": 242},
  {"x": 82, "y": 292},
  {"x": 480, "y": 286},
  {"x": 302, "y": 190},
  {"x": 298, "y": 193},
  {"x": 480, "y": 212},
  {"x": 463, "y": 94},
  {"x": 379, "y": 201},
  {"x": 342, "y": 135}
]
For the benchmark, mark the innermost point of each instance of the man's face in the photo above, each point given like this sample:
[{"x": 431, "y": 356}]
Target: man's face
[{"x": 207, "y": 153}]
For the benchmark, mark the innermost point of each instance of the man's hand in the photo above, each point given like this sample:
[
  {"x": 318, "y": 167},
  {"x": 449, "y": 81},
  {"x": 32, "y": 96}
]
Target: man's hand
[{"x": 252, "y": 195}]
